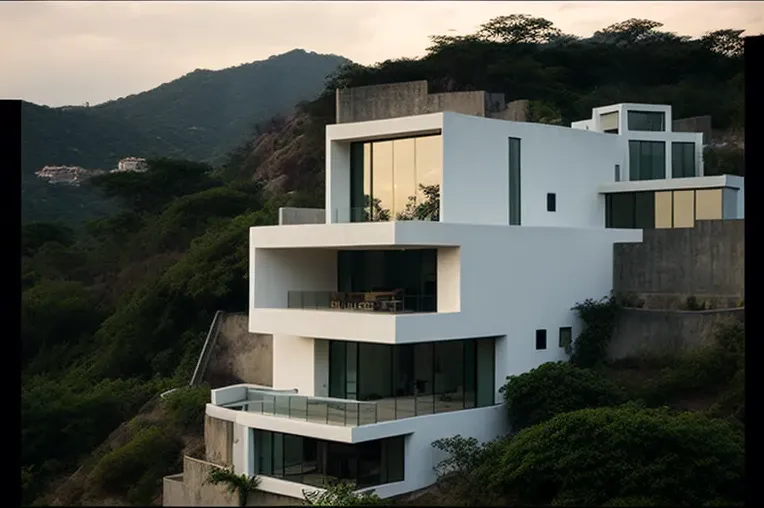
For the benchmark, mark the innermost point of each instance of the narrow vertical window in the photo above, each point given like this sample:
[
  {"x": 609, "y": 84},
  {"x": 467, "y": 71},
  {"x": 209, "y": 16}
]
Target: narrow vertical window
[
  {"x": 551, "y": 202},
  {"x": 566, "y": 337},
  {"x": 514, "y": 181}
]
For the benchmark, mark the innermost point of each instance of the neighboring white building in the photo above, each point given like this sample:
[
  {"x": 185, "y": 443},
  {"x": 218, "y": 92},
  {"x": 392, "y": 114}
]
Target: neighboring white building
[
  {"x": 390, "y": 333},
  {"x": 72, "y": 175},
  {"x": 135, "y": 164}
]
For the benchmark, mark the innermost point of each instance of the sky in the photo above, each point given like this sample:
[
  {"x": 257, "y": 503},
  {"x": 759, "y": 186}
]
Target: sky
[{"x": 69, "y": 53}]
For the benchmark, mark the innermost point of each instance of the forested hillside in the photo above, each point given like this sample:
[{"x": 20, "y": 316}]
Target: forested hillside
[
  {"x": 200, "y": 116},
  {"x": 114, "y": 314}
]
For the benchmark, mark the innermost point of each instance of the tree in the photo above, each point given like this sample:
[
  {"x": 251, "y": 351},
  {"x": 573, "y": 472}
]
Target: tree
[
  {"x": 631, "y": 31},
  {"x": 727, "y": 42},
  {"x": 428, "y": 209},
  {"x": 518, "y": 29}
]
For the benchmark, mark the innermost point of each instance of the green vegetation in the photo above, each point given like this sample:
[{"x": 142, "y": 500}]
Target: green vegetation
[
  {"x": 241, "y": 484},
  {"x": 200, "y": 116},
  {"x": 595, "y": 437},
  {"x": 591, "y": 456},
  {"x": 342, "y": 494},
  {"x": 114, "y": 313},
  {"x": 555, "y": 388}
]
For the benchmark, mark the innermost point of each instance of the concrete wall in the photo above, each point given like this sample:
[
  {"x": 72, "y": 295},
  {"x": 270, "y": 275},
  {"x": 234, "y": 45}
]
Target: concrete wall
[
  {"x": 570, "y": 163},
  {"x": 395, "y": 100},
  {"x": 290, "y": 215},
  {"x": 707, "y": 262},
  {"x": 516, "y": 111},
  {"x": 191, "y": 489},
  {"x": 239, "y": 356},
  {"x": 218, "y": 440},
  {"x": 659, "y": 332},
  {"x": 695, "y": 124}
]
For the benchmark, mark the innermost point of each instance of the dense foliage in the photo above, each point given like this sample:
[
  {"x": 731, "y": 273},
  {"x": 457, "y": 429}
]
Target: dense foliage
[
  {"x": 554, "y": 388},
  {"x": 592, "y": 456}
]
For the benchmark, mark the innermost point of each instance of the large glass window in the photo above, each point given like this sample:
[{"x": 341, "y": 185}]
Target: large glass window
[
  {"x": 682, "y": 160},
  {"x": 629, "y": 210},
  {"x": 414, "y": 379},
  {"x": 514, "y": 181},
  {"x": 647, "y": 160},
  {"x": 320, "y": 463},
  {"x": 646, "y": 121},
  {"x": 396, "y": 179}
]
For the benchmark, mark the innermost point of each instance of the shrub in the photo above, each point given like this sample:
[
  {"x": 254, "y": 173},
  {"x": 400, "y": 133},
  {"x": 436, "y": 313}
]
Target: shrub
[
  {"x": 186, "y": 406},
  {"x": 599, "y": 316},
  {"x": 463, "y": 457},
  {"x": 554, "y": 388},
  {"x": 151, "y": 453},
  {"x": 707, "y": 368},
  {"x": 342, "y": 494},
  {"x": 241, "y": 484},
  {"x": 593, "y": 456}
]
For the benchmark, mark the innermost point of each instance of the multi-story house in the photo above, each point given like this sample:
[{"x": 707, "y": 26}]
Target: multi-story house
[{"x": 452, "y": 251}]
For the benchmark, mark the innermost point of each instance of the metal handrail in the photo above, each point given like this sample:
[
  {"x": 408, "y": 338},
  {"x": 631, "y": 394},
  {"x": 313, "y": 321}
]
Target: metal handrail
[{"x": 204, "y": 356}]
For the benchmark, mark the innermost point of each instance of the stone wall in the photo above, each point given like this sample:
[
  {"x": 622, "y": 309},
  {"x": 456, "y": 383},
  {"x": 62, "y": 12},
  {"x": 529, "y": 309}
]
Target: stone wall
[
  {"x": 239, "y": 356},
  {"x": 218, "y": 440},
  {"x": 670, "y": 265},
  {"x": 290, "y": 215},
  {"x": 660, "y": 332}
]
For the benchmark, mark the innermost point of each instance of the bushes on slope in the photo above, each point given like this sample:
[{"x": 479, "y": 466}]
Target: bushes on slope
[
  {"x": 555, "y": 388},
  {"x": 593, "y": 456}
]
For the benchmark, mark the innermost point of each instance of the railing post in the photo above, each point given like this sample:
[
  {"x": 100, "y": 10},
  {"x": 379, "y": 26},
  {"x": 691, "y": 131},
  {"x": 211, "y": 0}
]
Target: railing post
[{"x": 346, "y": 413}]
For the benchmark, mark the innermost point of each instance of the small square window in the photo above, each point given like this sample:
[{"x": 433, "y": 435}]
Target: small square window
[
  {"x": 540, "y": 339},
  {"x": 566, "y": 337},
  {"x": 551, "y": 202}
]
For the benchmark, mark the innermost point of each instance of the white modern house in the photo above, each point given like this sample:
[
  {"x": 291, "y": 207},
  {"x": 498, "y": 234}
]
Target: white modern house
[{"x": 452, "y": 252}]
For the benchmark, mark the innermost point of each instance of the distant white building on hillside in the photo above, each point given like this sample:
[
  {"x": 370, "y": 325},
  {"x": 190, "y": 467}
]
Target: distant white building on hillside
[
  {"x": 135, "y": 164},
  {"x": 72, "y": 175}
]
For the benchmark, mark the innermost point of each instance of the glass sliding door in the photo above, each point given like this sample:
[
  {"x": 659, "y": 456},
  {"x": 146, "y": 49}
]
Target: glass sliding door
[{"x": 337, "y": 369}]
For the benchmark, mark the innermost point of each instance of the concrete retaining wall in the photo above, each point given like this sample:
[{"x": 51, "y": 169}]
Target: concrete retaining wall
[
  {"x": 240, "y": 356},
  {"x": 660, "y": 332},
  {"x": 707, "y": 262},
  {"x": 290, "y": 215},
  {"x": 218, "y": 440},
  {"x": 394, "y": 100},
  {"x": 191, "y": 489},
  {"x": 694, "y": 124}
]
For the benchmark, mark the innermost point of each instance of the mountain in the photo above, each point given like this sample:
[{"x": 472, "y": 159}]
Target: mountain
[{"x": 200, "y": 116}]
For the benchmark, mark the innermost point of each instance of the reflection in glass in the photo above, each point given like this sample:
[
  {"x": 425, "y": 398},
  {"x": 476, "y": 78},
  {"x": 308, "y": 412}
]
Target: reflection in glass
[
  {"x": 382, "y": 179},
  {"x": 320, "y": 463},
  {"x": 682, "y": 160},
  {"x": 397, "y": 179},
  {"x": 647, "y": 160},
  {"x": 646, "y": 121},
  {"x": 404, "y": 173}
]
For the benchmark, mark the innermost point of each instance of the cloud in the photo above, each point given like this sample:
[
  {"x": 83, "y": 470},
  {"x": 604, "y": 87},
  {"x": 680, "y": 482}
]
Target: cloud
[{"x": 72, "y": 52}]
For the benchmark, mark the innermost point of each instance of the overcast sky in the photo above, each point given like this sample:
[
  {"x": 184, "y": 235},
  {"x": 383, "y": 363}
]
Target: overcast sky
[{"x": 59, "y": 53}]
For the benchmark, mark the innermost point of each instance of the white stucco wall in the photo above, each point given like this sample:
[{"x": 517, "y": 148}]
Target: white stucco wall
[{"x": 567, "y": 162}]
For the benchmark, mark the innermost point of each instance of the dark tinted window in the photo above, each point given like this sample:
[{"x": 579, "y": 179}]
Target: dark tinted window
[
  {"x": 540, "y": 339},
  {"x": 646, "y": 121},
  {"x": 551, "y": 202}
]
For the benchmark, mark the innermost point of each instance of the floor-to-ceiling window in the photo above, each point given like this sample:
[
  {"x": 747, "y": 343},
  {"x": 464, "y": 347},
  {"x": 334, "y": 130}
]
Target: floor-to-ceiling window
[
  {"x": 320, "y": 463},
  {"x": 682, "y": 160},
  {"x": 410, "y": 275},
  {"x": 664, "y": 209},
  {"x": 647, "y": 160},
  {"x": 414, "y": 379},
  {"x": 397, "y": 179}
]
